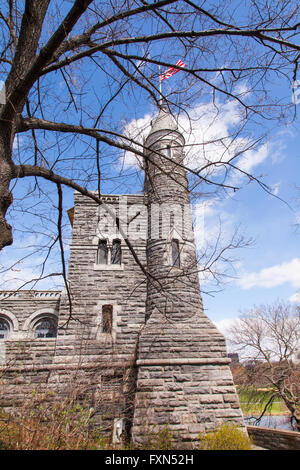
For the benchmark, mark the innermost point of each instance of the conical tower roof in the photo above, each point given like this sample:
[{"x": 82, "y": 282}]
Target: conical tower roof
[{"x": 163, "y": 122}]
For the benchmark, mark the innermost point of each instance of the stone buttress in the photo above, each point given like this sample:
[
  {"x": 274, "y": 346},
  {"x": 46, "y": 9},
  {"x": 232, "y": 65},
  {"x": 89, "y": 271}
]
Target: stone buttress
[{"x": 184, "y": 381}]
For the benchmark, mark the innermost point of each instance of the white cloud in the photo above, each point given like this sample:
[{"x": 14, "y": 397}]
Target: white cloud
[
  {"x": 209, "y": 132},
  {"x": 295, "y": 297},
  {"x": 17, "y": 142},
  {"x": 275, "y": 188},
  {"x": 242, "y": 89},
  {"x": 137, "y": 130},
  {"x": 203, "y": 228},
  {"x": 225, "y": 324},
  {"x": 253, "y": 158},
  {"x": 16, "y": 277},
  {"x": 273, "y": 276},
  {"x": 206, "y": 130},
  {"x": 212, "y": 223}
]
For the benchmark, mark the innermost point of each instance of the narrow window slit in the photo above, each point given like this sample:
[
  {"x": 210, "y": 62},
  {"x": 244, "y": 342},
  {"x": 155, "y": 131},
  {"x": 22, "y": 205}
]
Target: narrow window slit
[
  {"x": 175, "y": 253},
  {"x": 107, "y": 311}
]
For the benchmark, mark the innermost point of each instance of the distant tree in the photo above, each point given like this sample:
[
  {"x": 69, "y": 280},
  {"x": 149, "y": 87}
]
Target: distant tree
[
  {"x": 239, "y": 374},
  {"x": 270, "y": 336}
]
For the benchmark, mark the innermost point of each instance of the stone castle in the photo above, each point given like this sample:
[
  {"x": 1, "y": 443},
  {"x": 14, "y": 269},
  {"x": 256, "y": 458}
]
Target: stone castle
[{"x": 129, "y": 335}]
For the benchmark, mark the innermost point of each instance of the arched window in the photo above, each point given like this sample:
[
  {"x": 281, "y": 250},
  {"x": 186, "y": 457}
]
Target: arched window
[
  {"x": 175, "y": 253},
  {"x": 46, "y": 327},
  {"x": 116, "y": 252},
  {"x": 4, "y": 328},
  {"x": 102, "y": 252},
  {"x": 107, "y": 311}
]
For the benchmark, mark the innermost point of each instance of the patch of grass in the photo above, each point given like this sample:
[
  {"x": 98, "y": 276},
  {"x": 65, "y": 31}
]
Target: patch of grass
[{"x": 253, "y": 401}]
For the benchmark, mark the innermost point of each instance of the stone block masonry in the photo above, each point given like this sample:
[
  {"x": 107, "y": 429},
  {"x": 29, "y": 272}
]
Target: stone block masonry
[
  {"x": 183, "y": 380},
  {"x": 274, "y": 439},
  {"x": 186, "y": 398},
  {"x": 132, "y": 339}
]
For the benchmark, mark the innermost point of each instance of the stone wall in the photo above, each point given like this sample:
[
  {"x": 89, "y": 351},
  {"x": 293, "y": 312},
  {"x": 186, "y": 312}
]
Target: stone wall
[
  {"x": 25, "y": 360},
  {"x": 82, "y": 358},
  {"x": 103, "y": 360},
  {"x": 188, "y": 398},
  {"x": 80, "y": 336},
  {"x": 22, "y": 309},
  {"x": 274, "y": 439}
]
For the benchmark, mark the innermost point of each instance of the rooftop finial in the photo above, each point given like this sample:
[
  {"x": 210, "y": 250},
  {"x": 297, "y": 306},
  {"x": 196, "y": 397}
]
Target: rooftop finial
[{"x": 163, "y": 104}]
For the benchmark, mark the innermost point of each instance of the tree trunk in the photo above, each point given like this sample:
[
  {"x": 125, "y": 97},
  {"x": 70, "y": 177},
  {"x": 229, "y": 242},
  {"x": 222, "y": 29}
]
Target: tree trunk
[
  {"x": 6, "y": 174},
  {"x": 32, "y": 22},
  {"x": 296, "y": 416},
  {"x": 291, "y": 406}
]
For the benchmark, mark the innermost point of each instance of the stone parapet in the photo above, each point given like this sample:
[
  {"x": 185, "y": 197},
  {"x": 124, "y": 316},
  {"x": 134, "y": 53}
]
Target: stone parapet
[{"x": 274, "y": 439}]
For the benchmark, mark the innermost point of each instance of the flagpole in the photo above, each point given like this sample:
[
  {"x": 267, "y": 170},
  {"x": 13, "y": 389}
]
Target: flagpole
[{"x": 160, "y": 93}]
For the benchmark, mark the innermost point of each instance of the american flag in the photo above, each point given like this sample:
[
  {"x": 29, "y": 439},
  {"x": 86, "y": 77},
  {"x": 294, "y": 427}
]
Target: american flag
[{"x": 171, "y": 71}]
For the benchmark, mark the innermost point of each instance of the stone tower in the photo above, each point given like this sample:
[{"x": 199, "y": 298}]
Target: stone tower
[{"x": 184, "y": 381}]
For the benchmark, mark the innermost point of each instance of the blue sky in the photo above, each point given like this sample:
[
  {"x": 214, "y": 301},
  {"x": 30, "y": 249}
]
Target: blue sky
[{"x": 268, "y": 270}]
